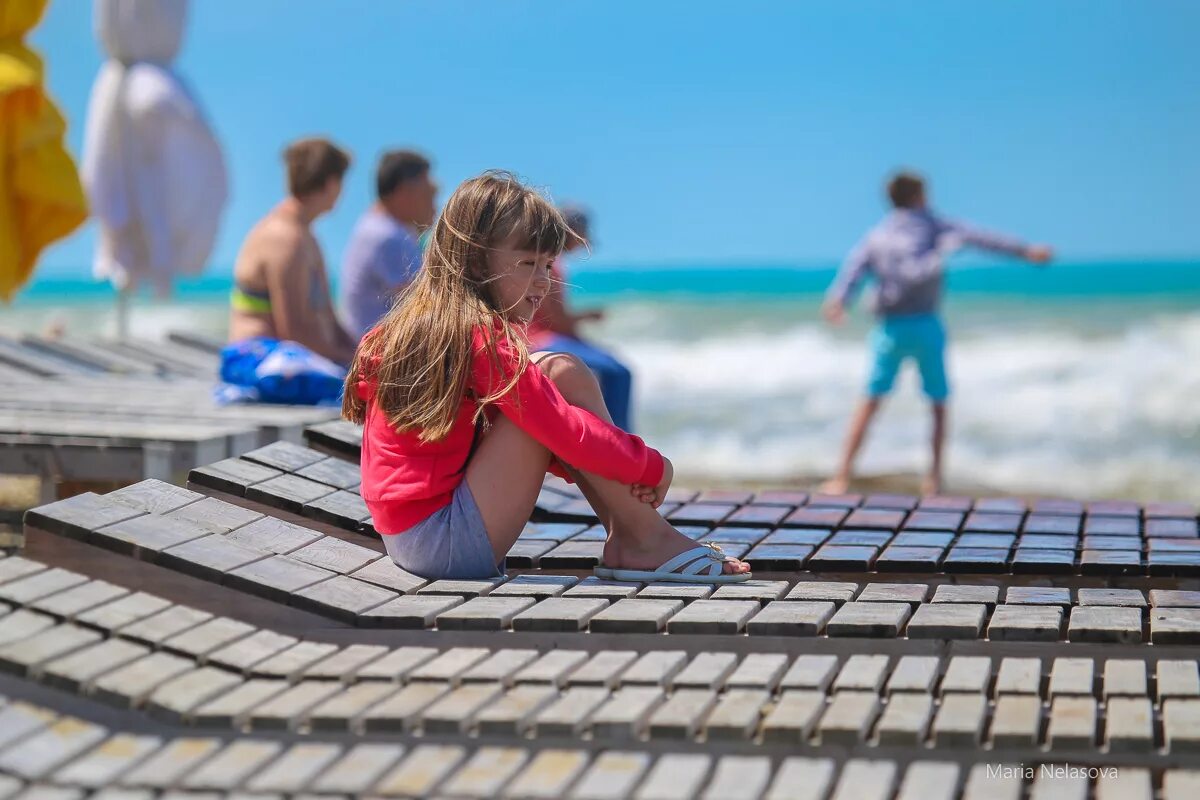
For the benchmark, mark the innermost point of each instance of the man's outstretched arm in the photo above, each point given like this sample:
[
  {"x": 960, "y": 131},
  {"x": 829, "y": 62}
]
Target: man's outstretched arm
[{"x": 999, "y": 243}]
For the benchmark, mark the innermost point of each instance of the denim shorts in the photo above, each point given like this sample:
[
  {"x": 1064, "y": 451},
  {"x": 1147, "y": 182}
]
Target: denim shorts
[
  {"x": 920, "y": 337},
  {"x": 452, "y": 542}
]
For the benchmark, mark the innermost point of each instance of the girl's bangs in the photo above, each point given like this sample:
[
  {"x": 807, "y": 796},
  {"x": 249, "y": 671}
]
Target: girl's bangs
[{"x": 538, "y": 227}]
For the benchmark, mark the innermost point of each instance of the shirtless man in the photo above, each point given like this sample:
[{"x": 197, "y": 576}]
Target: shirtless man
[{"x": 280, "y": 287}]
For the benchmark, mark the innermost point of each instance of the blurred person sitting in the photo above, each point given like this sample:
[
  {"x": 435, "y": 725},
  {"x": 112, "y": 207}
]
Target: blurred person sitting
[
  {"x": 904, "y": 255},
  {"x": 384, "y": 252},
  {"x": 282, "y": 324},
  {"x": 555, "y": 328}
]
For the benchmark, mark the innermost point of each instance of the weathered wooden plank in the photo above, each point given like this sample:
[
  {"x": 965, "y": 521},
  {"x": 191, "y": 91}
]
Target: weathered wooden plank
[
  {"x": 602, "y": 669},
  {"x": 24, "y": 591},
  {"x": 276, "y": 578},
  {"x": 559, "y": 614},
  {"x": 77, "y": 516},
  {"x": 232, "y": 765},
  {"x": 286, "y": 710},
  {"x": 655, "y": 668},
  {"x": 172, "y": 762},
  {"x": 736, "y": 715},
  {"x": 79, "y": 599},
  {"x": 157, "y": 628},
  {"x": 972, "y": 674},
  {"x": 173, "y": 699},
  {"x": 792, "y": 718},
  {"x": 486, "y": 772},
  {"x": 423, "y": 769},
  {"x": 201, "y": 640},
  {"x": 869, "y": 619},
  {"x": 209, "y": 557},
  {"x": 791, "y": 618},
  {"x": 1072, "y": 722},
  {"x": 1017, "y": 720},
  {"x": 1019, "y": 676},
  {"x": 1181, "y": 725},
  {"x": 454, "y": 712},
  {"x": 635, "y": 615},
  {"x": 929, "y": 780},
  {"x": 675, "y": 776},
  {"x": 21, "y": 624},
  {"x": 862, "y": 673},
  {"x": 705, "y": 671},
  {"x": 713, "y": 617},
  {"x": 340, "y": 711},
  {"x": 129, "y": 685},
  {"x": 358, "y": 769},
  {"x": 627, "y": 712},
  {"x": 291, "y": 662},
  {"x": 449, "y": 666},
  {"x": 409, "y": 611},
  {"x": 402, "y": 711},
  {"x": 810, "y": 672},
  {"x": 513, "y": 713},
  {"x": 570, "y": 713},
  {"x": 77, "y": 671},
  {"x": 244, "y": 653},
  {"x": 553, "y": 667},
  {"x": 1072, "y": 676},
  {"x": 959, "y": 720},
  {"x": 123, "y": 611},
  {"x": 1129, "y": 724},
  {"x": 800, "y": 778},
  {"x": 26, "y": 656},
  {"x": 214, "y": 516},
  {"x": 681, "y": 716},
  {"x": 273, "y": 536},
  {"x": 500, "y": 667},
  {"x": 295, "y": 770},
  {"x": 905, "y": 719},
  {"x": 103, "y": 765},
  {"x": 864, "y": 779},
  {"x": 230, "y": 709},
  {"x": 914, "y": 674},
  {"x": 39, "y": 754},
  {"x": 848, "y": 718},
  {"x": 154, "y": 496},
  {"x": 758, "y": 671},
  {"x": 397, "y": 664},
  {"x": 489, "y": 613}
]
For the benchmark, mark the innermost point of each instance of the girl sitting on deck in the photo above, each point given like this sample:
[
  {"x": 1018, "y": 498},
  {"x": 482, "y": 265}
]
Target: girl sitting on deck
[{"x": 461, "y": 422}]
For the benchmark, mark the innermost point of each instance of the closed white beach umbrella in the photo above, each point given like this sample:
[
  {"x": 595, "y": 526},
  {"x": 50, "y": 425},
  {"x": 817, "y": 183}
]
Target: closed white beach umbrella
[{"x": 152, "y": 167}]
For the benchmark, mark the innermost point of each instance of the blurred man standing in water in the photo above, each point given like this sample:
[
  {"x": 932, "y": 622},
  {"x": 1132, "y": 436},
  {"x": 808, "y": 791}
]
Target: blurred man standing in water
[
  {"x": 384, "y": 252},
  {"x": 904, "y": 255}
]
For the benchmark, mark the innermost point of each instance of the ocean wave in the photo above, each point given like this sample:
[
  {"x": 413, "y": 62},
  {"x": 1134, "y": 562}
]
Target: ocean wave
[{"x": 1046, "y": 409}]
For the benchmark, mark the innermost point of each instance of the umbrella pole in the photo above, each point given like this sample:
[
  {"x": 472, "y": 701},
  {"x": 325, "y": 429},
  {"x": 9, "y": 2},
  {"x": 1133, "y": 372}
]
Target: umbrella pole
[{"x": 123, "y": 314}]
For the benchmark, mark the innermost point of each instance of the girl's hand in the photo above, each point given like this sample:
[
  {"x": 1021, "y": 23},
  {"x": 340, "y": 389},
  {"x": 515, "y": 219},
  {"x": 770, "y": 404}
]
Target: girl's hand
[{"x": 654, "y": 495}]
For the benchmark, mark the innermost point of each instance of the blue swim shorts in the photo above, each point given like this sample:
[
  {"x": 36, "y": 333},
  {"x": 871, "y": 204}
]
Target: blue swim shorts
[{"x": 921, "y": 337}]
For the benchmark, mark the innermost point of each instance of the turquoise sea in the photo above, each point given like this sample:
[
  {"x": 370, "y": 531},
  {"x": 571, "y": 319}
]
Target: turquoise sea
[{"x": 1081, "y": 379}]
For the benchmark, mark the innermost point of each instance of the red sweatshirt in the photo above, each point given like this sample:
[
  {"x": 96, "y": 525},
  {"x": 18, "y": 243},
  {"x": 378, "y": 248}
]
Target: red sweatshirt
[{"x": 404, "y": 480}]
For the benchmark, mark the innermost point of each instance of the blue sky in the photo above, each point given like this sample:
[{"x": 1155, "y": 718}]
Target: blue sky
[{"x": 709, "y": 132}]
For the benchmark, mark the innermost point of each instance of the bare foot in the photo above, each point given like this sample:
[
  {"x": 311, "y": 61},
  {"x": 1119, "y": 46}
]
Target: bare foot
[
  {"x": 932, "y": 484},
  {"x": 650, "y": 552},
  {"x": 837, "y": 485}
]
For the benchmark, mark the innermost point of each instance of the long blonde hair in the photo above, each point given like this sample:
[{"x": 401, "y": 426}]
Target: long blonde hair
[{"x": 419, "y": 357}]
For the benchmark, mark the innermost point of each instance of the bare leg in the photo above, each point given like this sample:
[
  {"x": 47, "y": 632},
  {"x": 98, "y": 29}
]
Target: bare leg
[
  {"x": 859, "y": 423},
  {"x": 501, "y": 476},
  {"x": 933, "y": 481}
]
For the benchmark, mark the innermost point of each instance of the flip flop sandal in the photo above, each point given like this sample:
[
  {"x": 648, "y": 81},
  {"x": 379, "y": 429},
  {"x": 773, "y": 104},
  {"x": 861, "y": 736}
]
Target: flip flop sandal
[{"x": 703, "y": 564}]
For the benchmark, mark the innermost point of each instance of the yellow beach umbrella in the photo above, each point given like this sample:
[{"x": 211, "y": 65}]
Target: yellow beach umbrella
[{"x": 41, "y": 199}]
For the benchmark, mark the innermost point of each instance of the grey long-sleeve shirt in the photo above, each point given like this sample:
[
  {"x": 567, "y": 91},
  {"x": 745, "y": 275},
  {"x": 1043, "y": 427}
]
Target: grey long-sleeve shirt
[{"x": 904, "y": 254}]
